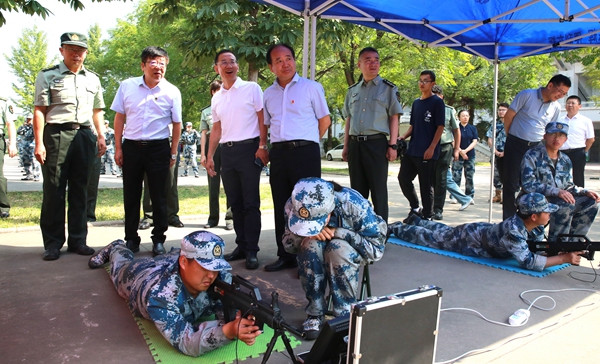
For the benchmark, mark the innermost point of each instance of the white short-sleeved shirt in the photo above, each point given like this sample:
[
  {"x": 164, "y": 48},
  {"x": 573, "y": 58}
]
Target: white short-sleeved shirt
[
  {"x": 293, "y": 112},
  {"x": 236, "y": 110},
  {"x": 581, "y": 129},
  {"x": 532, "y": 115},
  {"x": 148, "y": 111}
]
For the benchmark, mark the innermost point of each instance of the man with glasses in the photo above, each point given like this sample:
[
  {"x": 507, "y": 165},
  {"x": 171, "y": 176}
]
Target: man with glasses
[
  {"x": 498, "y": 149},
  {"x": 546, "y": 170},
  {"x": 427, "y": 121},
  {"x": 68, "y": 103},
  {"x": 238, "y": 125},
  {"x": 524, "y": 123},
  {"x": 148, "y": 104},
  {"x": 581, "y": 138},
  {"x": 371, "y": 107}
]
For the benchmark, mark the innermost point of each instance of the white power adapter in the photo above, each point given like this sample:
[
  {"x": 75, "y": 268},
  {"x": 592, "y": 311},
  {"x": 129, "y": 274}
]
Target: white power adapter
[{"x": 519, "y": 317}]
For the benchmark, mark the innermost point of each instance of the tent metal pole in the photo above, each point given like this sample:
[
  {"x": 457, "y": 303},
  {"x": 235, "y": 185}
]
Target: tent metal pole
[
  {"x": 305, "y": 59},
  {"x": 494, "y": 118},
  {"x": 313, "y": 47}
]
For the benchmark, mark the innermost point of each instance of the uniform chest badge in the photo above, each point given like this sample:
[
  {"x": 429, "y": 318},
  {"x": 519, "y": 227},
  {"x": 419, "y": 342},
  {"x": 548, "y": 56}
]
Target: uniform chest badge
[
  {"x": 303, "y": 213},
  {"x": 217, "y": 251}
]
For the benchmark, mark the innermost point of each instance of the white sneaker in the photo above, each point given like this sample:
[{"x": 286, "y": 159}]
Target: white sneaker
[
  {"x": 464, "y": 207},
  {"x": 453, "y": 201}
]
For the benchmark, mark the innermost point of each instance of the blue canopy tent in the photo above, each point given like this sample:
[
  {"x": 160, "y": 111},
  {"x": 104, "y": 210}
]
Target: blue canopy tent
[{"x": 496, "y": 30}]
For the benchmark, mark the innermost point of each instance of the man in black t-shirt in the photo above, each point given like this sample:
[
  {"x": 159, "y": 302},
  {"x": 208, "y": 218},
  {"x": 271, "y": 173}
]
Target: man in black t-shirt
[{"x": 427, "y": 119}]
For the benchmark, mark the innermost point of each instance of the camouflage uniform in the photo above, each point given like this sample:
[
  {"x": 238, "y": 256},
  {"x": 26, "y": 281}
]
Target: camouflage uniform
[
  {"x": 24, "y": 145},
  {"x": 154, "y": 290},
  {"x": 109, "y": 156},
  {"x": 500, "y": 143},
  {"x": 538, "y": 174},
  {"x": 504, "y": 240},
  {"x": 358, "y": 240},
  {"x": 190, "y": 141},
  {"x": 21, "y": 131}
]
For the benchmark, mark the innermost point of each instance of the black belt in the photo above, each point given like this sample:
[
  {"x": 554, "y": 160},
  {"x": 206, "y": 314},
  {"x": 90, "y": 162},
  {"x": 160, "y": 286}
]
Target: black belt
[
  {"x": 573, "y": 150},
  {"x": 364, "y": 138},
  {"x": 144, "y": 143},
  {"x": 291, "y": 144},
  {"x": 69, "y": 126},
  {"x": 246, "y": 141},
  {"x": 523, "y": 141}
]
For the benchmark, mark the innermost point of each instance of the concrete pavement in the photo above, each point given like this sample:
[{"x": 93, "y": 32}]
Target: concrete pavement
[{"x": 62, "y": 311}]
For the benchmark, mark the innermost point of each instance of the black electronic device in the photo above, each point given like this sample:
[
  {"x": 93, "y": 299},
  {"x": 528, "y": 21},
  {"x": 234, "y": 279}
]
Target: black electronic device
[{"x": 331, "y": 344}]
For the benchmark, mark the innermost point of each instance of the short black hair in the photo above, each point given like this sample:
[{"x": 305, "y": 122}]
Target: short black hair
[
  {"x": 215, "y": 86},
  {"x": 271, "y": 48},
  {"x": 437, "y": 89},
  {"x": 463, "y": 110},
  {"x": 559, "y": 79},
  {"x": 152, "y": 52},
  {"x": 503, "y": 104},
  {"x": 575, "y": 97},
  {"x": 430, "y": 73},
  {"x": 367, "y": 49},
  {"x": 221, "y": 52}
]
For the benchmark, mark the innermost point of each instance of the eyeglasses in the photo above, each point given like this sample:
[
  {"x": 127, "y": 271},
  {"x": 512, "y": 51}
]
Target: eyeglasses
[
  {"x": 572, "y": 103},
  {"x": 227, "y": 63},
  {"x": 424, "y": 82},
  {"x": 75, "y": 50},
  {"x": 157, "y": 64}
]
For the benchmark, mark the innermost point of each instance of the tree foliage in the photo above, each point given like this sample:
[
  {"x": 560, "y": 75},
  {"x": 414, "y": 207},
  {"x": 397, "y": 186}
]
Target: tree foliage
[{"x": 26, "y": 61}]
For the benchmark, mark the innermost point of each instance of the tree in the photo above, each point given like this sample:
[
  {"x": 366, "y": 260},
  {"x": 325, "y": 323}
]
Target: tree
[
  {"x": 32, "y": 7},
  {"x": 26, "y": 61}
]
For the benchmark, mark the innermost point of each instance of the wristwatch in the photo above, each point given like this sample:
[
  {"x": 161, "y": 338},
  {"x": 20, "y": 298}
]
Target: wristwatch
[
  {"x": 173, "y": 156},
  {"x": 393, "y": 146},
  {"x": 264, "y": 147}
]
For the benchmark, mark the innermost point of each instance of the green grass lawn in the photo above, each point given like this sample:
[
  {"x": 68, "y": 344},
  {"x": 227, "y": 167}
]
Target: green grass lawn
[{"x": 193, "y": 200}]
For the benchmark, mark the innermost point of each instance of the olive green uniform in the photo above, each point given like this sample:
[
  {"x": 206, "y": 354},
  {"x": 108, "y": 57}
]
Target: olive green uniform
[
  {"x": 5, "y": 111},
  {"x": 70, "y": 150}
]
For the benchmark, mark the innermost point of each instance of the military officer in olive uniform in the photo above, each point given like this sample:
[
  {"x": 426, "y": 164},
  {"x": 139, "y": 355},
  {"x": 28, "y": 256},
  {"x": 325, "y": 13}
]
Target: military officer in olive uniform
[
  {"x": 68, "y": 103},
  {"x": 6, "y": 119},
  {"x": 371, "y": 108}
]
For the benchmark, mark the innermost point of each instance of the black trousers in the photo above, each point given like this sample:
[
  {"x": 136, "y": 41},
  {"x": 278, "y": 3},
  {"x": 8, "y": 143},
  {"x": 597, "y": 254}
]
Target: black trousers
[
  {"x": 368, "y": 170},
  {"x": 151, "y": 158},
  {"x": 514, "y": 151},
  {"x": 170, "y": 191},
  {"x": 69, "y": 158},
  {"x": 441, "y": 171},
  {"x": 214, "y": 187},
  {"x": 577, "y": 157},
  {"x": 92, "y": 189},
  {"x": 288, "y": 166},
  {"x": 410, "y": 168},
  {"x": 241, "y": 180}
]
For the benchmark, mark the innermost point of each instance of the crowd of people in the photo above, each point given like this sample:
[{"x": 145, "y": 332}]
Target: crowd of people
[{"x": 324, "y": 230}]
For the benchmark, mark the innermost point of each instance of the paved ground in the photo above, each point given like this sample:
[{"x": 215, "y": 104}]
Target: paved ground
[{"x": 63, "y": 312}]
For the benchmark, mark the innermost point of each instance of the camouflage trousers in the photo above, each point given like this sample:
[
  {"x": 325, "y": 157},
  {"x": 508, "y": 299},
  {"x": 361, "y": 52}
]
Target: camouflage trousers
[
  {"x": 189, "y": 155},
  {"x": 497, "y": 182},
  {"x": 30, "y": 164},
  {"x": 109, "y": 157},
  {"x": 332, "y": 262},
  {"x": 469, "y": 170},
  {"x": 125, "y": 272},
  {"x": 572, "y": 218},
  {"x": 464, "y": 239}
]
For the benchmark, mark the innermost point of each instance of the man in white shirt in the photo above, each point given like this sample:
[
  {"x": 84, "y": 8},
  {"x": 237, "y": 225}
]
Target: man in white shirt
[
  {"x": 238, "y": 126},
  {"x": 581, "y": 138}
]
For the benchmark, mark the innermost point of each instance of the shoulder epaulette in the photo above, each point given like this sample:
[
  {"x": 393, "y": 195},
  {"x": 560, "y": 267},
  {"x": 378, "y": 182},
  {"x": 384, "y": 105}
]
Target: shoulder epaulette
[
  {"x": 388, "y": 82},
  {"x": 50, "y": 68},
  {"x": 349, "y": 87},
  {"x": 90, "y": 71}
]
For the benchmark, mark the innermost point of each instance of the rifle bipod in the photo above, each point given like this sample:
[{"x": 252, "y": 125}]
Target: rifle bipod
[{"x": 280, "y": 331}]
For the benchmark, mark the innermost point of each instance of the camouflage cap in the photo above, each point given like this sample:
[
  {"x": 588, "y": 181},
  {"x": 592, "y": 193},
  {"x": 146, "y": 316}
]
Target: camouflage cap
[
  {"x": 28, "y": 116},
  {"x": 73, "y": 38},
  {"x": 312, "y": 202},
  {"x": 106, "y": 122},
  {"x": 534, "y": 203},
  {"x": 188, "y": 124},
  {"x": 557, "y": 127},
  {"x": 207, "y": 248}
]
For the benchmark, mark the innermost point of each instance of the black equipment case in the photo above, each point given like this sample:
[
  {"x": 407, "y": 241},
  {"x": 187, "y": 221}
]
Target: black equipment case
[{"x": 397, "y": 328}]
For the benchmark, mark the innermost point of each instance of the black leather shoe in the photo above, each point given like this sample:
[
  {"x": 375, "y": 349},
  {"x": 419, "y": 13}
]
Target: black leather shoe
[
  {"x": 145, "y": 223},
  {"x": 281, "y": 264},
  {"x": 176, "y": 223},
  {"x": 132, "y": 245},
  {"x": 209, "y": 225},
  {"x": 51, "y": 254},
  {"x": 158, "y": 249},
  {"x": 81, "y": 250},
  {"x": 236, "y": 254},
  {"x": 4, "y": 215},
  {"x": 251, "y": 261}
]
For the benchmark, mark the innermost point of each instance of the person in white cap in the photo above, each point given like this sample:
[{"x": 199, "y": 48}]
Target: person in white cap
[
  {"x": 171, "y": 291},
  {"x": 333, "y": 230}
]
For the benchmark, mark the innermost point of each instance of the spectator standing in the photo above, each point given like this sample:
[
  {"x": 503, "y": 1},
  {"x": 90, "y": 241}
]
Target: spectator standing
[
  {"x": 190, "y": 140},
  {"x": 498, "y": 150},
  {"x": 466, "y": 160},
  {"x": 6, "y": 120},
  {"x": 109, "y": 156},
  {"x": 297, "y": 115},
  {"x": 581, "y": 138}
]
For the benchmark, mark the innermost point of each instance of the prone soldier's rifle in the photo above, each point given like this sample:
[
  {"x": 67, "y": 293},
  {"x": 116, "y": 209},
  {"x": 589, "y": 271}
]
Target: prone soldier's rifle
[
  {"x": 566, "y": 243},
  {"x": 244, "y": 296}
]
